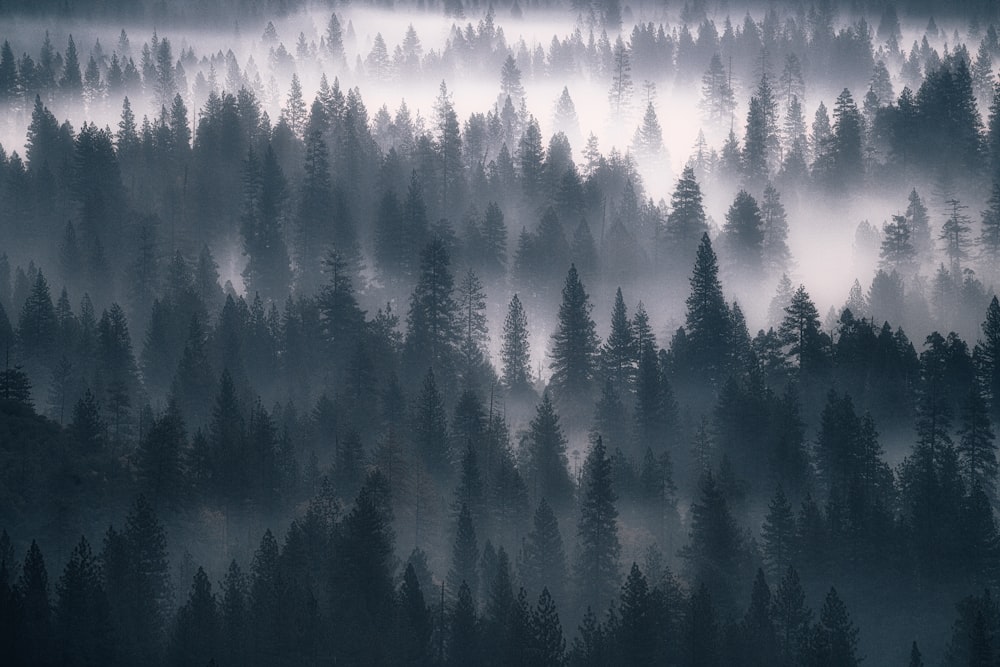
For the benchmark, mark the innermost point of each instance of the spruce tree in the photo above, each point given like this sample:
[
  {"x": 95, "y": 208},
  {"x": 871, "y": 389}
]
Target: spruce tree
[{"x": 597, "y": 567}]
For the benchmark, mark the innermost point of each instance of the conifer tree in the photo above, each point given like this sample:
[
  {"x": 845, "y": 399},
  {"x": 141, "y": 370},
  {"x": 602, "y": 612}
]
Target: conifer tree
[
  {"x": 686, "y": 223},
  {"x": 543, "y": 559},
  {"x": 743, "y": 237},
  {"x": 431, "y": 427},
  {"x": 515, "y": 350},
  {"x": 195, "y": 637},
  {"x": 779, "y": 534},
  {"x": 791, "y": 617},
  {"x": 82, "y": 621},
  {"x": 464, "y": 636},
  {"x": 597, "y": 567},
  {"x": 464, "y": 557},
  {"x": 548, "y": 643},
  {"x": 415, "y": 619},
  {"x": 433, "y": 332},
  {"x": 620, "y": 351},
  {"x": 707, "y": 319},
  {"x": 34, "y": 620},
  {"x": 548, "y": 474},
  {"x": 574, "y": 345}
]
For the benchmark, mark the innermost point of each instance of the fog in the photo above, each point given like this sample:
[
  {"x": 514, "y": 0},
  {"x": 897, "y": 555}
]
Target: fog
[{"x": 394, "y": 325}]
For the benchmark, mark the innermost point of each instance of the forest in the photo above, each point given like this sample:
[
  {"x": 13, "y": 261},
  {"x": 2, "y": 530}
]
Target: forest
[{"x": 525, "y": 332}]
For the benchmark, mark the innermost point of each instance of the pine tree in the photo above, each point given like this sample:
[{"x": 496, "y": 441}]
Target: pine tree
[
  {"x": 34, "y": 630},
  {"x": 707, "y": 319},
  {"x": 548, "y": 645},
  {"x": 834, "y": 639},
  {"x": 791, "y": 617},
  {"x": 620, "y": 95},
  {"x": 160, "y": 457},
  {"x": 82, "y": 621},
  {"x": 897, "y": 252},
  {"x": 543, "y": 559},
  {"x": 775, "y": 254},
  {"x": 430, "y": 431},
  {"x": 464, "y": 636},
  {"x": 474, "y": 332},
  {"x": 800, "y": 329},
  {"x": 547, "y": 463},
  {"x": 619, "y": 353},
  {"x": 265, "y": 195},
  {"x": 433, "y": 331},
  {"x": 574, "y": 345},
  {"x": 465, "y": 555},
  {"x": 778, "y": 534},
  {"x": 715, "y": 552},
  {"x": 686, "y": 223},
  {"x": 195, "y": 637},
  {"x": 597, "y": 567},
  {"x": 415, "y": 619},
  {"x": 743, "y": 237},
  {"x": 976, "y": 447},
  {"x": 955, "y": 234},
  {"x": 515, "y": 350},
  {"x": 71, "y": 83}
]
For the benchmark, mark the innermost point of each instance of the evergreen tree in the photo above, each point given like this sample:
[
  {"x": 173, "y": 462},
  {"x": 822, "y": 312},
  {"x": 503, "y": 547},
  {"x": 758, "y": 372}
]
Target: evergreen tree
[
  {"x": 71, "y": 82},
  {"x": 465, "y": 555},
  {"x": 743, "y": 237},
  {"x": 433, "y": 332},
  {"x": 779, "y": 534},
  {"x": 686, "y": 223},
  {"x": 415, "y": 620},
  {"x": 82, "y": 619},
  {"x": 160, "y": 457},
  {"x": 543, "y": 559},
  {"x": 792, "y": 618},
  {"x": 775, "y": 254},
  {"x": 834, "y": 639},
  {"x": 715, "y": 553},
  {"x": 195, "y": 638},
  {"x": 34, "y": 612},
  {"x": 597, "y": 567},
  {"x": 574, "y": 345},
  {"x": 548, "y": 645},
  {"x": 707, "y": 320},
  {"x": 515, "y": 350},
  {"x": 547, "y": 463},
  {"x": 464, "y": 636},
  {"x": 619, "y": 353},
  {"x": 431, "y": 427},
  {"x": 976, "y": 447}
]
